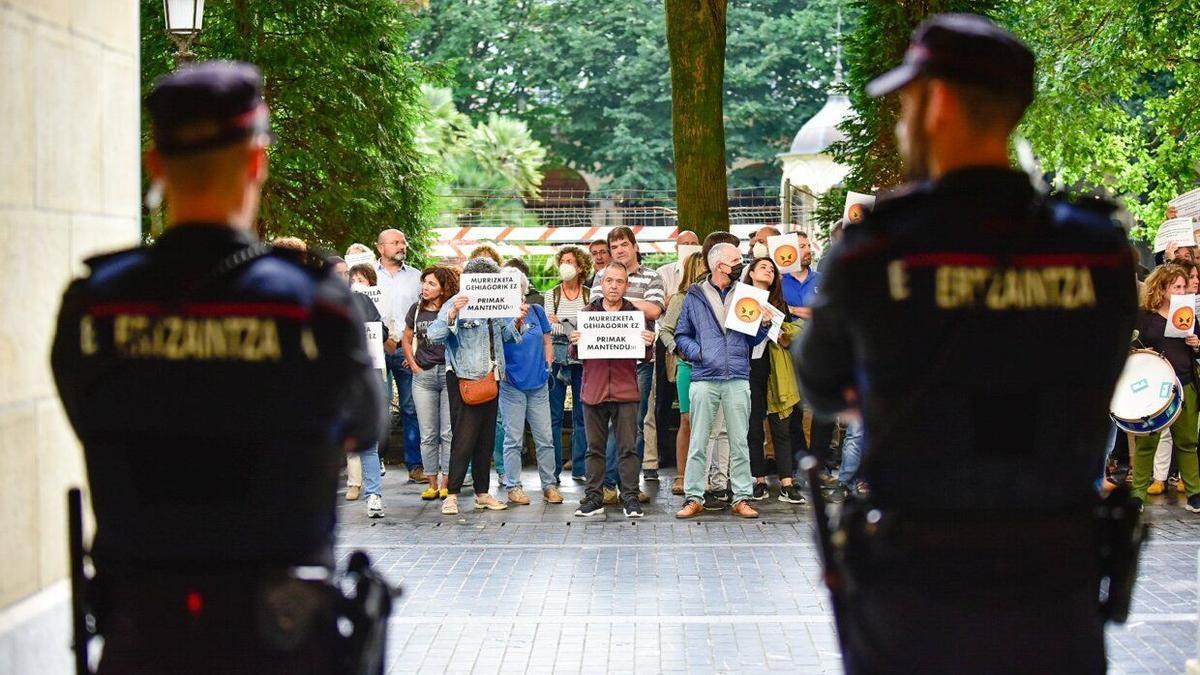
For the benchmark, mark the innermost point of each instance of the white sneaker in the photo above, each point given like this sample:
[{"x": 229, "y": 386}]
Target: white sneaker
[
  {"x": 374, "y": 506},
  {"x": 450, "y": 505}
]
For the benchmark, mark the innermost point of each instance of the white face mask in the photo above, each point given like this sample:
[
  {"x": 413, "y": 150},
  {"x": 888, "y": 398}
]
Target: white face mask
[
  {"x": 567, "y": 271},
  {"x": 760, "y": 250}
]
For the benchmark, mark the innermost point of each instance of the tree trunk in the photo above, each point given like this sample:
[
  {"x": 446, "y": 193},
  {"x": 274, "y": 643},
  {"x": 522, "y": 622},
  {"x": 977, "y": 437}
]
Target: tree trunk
[{"x": 696, "y": 40}]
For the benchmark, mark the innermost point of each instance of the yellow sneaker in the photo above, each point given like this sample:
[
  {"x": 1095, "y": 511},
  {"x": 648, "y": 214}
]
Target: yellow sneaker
[
  {"x": 430, "y": 493},
  {"x": 1156, "y": 488},
  {"x": 443, "y": 493},
  {"x": 1180, "y": 487}
]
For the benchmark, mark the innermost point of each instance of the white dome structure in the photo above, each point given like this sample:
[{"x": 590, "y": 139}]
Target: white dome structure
[{"x": 807, "y": 166}]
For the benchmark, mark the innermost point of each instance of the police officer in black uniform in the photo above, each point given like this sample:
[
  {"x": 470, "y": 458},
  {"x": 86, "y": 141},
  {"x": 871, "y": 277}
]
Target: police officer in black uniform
[
  {"x": 979, "y": 328},
  {"x": 215, "y": 384}
]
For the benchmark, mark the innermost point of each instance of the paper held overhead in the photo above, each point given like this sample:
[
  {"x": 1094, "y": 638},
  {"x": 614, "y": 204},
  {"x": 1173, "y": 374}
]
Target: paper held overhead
[
  {"x": 746, "y": 309},
  {"x": 491, "y": 295},
  {"x": 1177, "y": 231},
  {"x": 857, "y": 206},
  {"x": 1187, "y": 205}
]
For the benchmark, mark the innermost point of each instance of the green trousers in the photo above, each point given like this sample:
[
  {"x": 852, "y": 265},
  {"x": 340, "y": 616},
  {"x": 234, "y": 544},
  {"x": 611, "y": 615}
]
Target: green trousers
[{"x": 1183, "y": 436}]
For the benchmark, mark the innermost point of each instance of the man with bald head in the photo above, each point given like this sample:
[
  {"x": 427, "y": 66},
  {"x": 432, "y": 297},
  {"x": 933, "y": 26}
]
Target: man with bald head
[
  {"x": 671, "y": 273},
  {"x": 402, "y": 287}
]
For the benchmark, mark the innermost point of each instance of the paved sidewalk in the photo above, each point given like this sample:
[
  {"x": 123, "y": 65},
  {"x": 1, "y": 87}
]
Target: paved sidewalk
[{"x": 535, "y": 589}]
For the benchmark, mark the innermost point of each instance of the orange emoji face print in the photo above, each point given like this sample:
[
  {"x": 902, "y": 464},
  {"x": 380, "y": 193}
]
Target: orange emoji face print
[
  {"x": 1183, "y": 318},
  {"x": 747, "y": 310},
  {"x": 785, "y": 256},
  {"x": 855, "y": 213}
]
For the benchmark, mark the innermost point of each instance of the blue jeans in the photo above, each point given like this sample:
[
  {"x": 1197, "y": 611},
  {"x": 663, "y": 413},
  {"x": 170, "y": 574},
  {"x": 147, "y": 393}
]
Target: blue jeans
[
  {"x": 645, "y": 376},
  {"x": 498, "y": 447},
  {"x": 433, "y": 410},
  {"x": 408, "y": 410},
  {"x": 558, "y": 403},
  {"x": 851, "y": 452},
  {"x": 370, "y": 468},
  {"x": 531, "y": 406}
]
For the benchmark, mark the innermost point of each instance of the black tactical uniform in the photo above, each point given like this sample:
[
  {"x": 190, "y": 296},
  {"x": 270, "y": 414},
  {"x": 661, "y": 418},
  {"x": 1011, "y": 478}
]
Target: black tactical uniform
[
  {"x": 213, "y": 383},
  {"x": 984, "y": 328}
]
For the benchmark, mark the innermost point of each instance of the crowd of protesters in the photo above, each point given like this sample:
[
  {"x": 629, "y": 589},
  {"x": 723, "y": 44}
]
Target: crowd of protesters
[{"x": 740, "y": 415}]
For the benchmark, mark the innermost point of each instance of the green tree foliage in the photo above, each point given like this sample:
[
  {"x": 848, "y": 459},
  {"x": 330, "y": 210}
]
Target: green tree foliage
[
  {"x": 470, "y": 160},
  {"x": 345, "y": 102},
  {"x": 877, "y": 44},
  {"x": 1118, "y": 104},
  {"x": 592, "y": 79}
]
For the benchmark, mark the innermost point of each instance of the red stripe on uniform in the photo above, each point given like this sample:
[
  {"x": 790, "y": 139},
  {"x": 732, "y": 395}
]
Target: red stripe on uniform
[
  {"x": 1079, "y": 259},
  {"x": 115, "y": 308},
  {"x": 949, "y": 258},
  {"x": 1020, "y": 260},
  {"x": 273, "y": 309},
  {"x": 261, "y": 309}
]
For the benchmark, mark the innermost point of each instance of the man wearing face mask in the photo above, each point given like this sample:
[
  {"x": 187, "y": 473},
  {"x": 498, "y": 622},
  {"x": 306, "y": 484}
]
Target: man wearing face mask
[
  {"x": 758, "y": 242},
  {"x": 980, "y": 328}
]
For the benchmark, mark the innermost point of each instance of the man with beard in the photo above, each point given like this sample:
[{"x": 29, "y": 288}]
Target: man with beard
[
  {"x": 980, "y": 328},
  {"x": 402, "y": 287}
]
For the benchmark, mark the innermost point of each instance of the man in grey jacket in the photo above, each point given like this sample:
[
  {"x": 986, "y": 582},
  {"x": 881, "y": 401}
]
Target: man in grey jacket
[{"x": 720, "y": 361}]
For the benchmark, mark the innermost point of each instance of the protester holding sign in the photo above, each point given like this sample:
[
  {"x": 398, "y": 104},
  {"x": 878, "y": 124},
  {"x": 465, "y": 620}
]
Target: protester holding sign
[
  {"x": 774, "y": 392},
  {"x": 720, "y": 378},
  {"x": 610, "y": 396},
  {"x": 1152, "y": 325},
  {"x": 475, "y": 360},
  {"x": 430, "y": 393},
  {"x": 363, "y": 465}
]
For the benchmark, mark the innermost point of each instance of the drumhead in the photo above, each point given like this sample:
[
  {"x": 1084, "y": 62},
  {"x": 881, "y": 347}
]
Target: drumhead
[{"x": 1146, "y": 386}]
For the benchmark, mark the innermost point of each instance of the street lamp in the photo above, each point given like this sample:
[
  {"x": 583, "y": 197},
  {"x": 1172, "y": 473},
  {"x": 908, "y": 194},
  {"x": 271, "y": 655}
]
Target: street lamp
[{"x": 184, "y": 19}]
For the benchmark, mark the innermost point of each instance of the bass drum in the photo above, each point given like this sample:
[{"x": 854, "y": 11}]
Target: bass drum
[{"x": 1148, "y": 396}]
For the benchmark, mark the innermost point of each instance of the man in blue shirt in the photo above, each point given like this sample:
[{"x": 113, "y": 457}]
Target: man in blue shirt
[{"x": 800, "y": 288}]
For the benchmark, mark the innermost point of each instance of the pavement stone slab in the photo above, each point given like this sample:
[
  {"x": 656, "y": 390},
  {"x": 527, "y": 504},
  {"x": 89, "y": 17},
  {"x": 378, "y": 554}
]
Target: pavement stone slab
[{"x": 534, "y": 589}]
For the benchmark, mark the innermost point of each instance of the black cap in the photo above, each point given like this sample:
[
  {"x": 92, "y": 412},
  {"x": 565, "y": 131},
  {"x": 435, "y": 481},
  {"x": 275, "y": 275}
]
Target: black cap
[
  {"x": 207, "y": 106},
  {"x": 963, "y": 48}
]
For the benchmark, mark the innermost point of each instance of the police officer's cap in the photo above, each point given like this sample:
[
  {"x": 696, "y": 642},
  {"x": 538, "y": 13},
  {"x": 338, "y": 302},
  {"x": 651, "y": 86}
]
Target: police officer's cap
[
  {"x": 207, "y": 106},
  {"x": 964, "y": 48}
]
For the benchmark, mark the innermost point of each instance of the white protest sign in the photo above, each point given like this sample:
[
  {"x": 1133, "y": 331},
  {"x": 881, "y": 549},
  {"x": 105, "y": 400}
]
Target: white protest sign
[
  {"x": 611, "y": 335},
  {"x": 857, "y": 205},
  {"x": 745, "y": 309},
  {"x": 776, "y": 323},
  {"x": 1175, "y": 230},
  {"x": 375, "y": 344},
  {"x": 377, "y": 294},
  {"x": 1187, "y": 205},
  {"x": 686, "y": 250},
  {"x": 785, "y": 251},
  {"x": 353, "y": 259},
  {"x": 1181, "y": 317},
  {"x": 491, "y": 295}
]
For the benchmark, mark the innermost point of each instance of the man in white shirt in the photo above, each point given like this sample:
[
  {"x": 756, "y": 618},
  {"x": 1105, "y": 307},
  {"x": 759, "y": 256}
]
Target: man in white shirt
[
  {"x": 671, "y": 273},
  {"x": 402, "y": 284}
]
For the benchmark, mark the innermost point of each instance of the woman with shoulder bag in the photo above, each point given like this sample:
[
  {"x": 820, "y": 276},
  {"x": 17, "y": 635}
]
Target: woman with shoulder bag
[
  {"x": 475, "y": 365},
  {"x": 562, "y": 305},
  {"x": 428, "y": 363}
]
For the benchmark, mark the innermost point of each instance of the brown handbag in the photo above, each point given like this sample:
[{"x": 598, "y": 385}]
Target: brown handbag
[{"x": 486, "y": 388}]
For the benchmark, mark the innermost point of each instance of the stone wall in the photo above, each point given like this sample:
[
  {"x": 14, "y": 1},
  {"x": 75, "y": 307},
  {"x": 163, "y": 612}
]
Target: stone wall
[{"x": 69, "y": 181}]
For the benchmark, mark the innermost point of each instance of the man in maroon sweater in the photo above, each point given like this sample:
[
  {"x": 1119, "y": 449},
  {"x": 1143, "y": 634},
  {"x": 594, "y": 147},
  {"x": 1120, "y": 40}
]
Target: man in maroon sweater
[{"x": 610, "y": 394}]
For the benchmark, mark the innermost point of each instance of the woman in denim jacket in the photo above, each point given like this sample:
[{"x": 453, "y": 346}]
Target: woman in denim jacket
[{"x": 469, "y": 356}]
